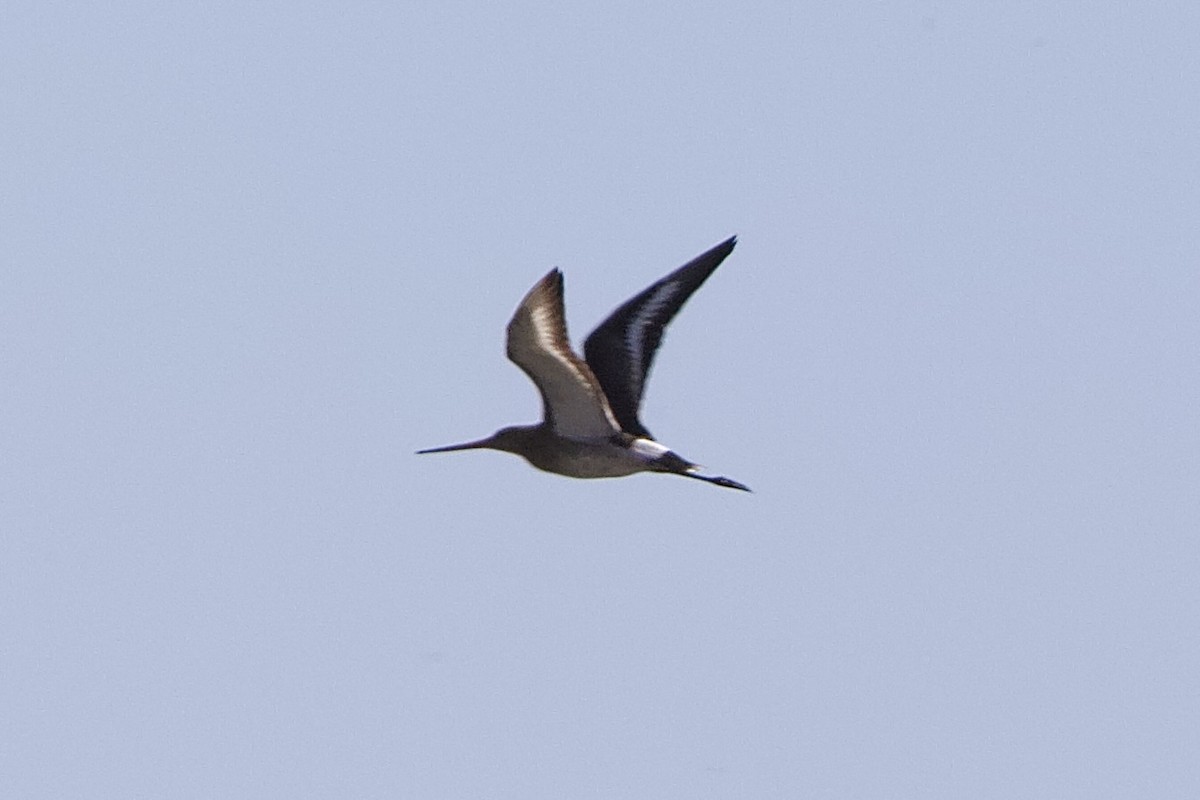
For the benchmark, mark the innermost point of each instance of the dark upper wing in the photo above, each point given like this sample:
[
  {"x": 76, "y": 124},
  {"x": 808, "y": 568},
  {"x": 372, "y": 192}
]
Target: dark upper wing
[{"x": 622, "y": 349}]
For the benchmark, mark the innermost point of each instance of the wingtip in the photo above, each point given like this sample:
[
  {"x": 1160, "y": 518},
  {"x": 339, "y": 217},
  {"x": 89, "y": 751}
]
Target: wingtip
[
  {"x": 551, "y": 280},
  {"x": 722, "y": 250},
  {"x": 713, "y": 256}
]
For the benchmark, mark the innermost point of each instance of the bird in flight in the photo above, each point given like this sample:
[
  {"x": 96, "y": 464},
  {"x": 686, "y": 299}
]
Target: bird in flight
[{"x": 590, "y": 426}]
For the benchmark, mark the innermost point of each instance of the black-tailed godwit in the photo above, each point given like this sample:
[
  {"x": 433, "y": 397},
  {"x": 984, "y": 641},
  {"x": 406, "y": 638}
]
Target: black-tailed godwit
[{"x": 590, "y": 426}]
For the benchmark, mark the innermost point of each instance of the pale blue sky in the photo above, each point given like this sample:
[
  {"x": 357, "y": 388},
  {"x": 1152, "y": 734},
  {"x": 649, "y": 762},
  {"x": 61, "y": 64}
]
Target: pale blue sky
[{"x": 255, "y": 255}]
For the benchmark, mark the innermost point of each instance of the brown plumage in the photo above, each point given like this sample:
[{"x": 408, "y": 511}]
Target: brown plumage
[{"x": 590, "y": 426}]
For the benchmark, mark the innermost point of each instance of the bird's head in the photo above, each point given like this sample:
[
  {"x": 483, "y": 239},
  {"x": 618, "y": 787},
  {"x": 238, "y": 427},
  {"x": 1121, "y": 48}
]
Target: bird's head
[{"x": 510, "y": 440}]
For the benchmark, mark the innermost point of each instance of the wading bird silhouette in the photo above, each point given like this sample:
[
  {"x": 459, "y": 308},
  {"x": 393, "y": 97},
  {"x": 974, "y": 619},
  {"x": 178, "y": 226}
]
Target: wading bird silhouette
[{"x": 590, "y": 426}]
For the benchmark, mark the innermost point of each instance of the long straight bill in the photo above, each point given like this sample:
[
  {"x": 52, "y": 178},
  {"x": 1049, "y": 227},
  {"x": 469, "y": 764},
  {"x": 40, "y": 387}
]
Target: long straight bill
[{"x": 477, "y": 445}]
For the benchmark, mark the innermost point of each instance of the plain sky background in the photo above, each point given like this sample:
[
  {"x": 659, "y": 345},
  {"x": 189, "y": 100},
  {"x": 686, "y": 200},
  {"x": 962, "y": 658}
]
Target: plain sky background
[{"x": 256, "y": 254}]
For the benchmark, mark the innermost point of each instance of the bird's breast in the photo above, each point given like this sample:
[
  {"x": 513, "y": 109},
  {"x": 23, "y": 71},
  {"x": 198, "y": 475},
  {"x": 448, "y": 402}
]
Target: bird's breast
[{"x": 606, "y": 458}]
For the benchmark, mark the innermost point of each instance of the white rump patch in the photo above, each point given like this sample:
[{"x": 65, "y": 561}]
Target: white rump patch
[{"x": 648, "y": 449}]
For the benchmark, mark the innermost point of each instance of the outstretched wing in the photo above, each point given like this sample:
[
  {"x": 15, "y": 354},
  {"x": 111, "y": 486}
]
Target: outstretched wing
[
  {"x": 622, "y": 349},
  {"x": 572, "y": 401}
]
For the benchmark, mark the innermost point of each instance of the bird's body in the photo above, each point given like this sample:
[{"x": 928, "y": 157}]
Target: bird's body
[
  {"x": 612, "y": 457},
  {"x": 590, "y": 426}
]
